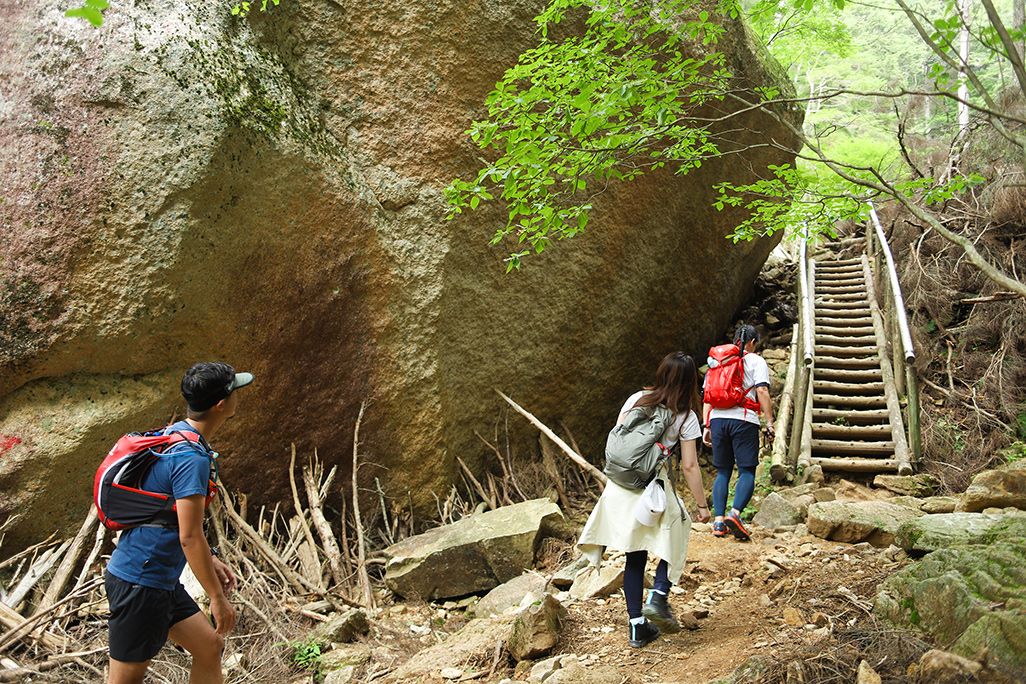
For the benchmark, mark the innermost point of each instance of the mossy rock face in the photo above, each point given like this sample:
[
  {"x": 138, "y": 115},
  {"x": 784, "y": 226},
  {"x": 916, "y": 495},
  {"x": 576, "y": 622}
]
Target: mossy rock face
[
  {"x": 932, "y": 532},
  {"x": 966, "y": 598},
  {"x": 855, "y": 521}
]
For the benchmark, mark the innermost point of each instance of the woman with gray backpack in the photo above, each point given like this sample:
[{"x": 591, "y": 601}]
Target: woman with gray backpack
[{"x": 639, "y": 511}]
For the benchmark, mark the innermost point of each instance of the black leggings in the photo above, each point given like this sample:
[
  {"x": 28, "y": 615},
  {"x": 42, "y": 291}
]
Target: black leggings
[{"x": 634, "y": 580}]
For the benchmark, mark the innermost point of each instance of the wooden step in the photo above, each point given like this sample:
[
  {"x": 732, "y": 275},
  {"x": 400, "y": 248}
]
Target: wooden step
[
  {"x": 844, "y": 400},
  {"x": 844, "y": 329},
  {"x": 828, "y": 361},
  {"x": 832, "y": 431},
  {"x": 831, "y": 288},
  {"x": 865, "y": 389},
  {"x": 862, "y": 306},
  {"x": 846, "y": 340},
  {"x": 860, "y": 316},
  {"x": 851, "y": 350},
  {"x": 851, "y": 448},
  {"x": 833, "y": 277},
  {"x": 860, "y": 375},
  {"x": 838, "y": 262},
  {"x": 830, "y": 298},
  {"x": 857, "y": 465},
  {"x": 852, "y": 416}
]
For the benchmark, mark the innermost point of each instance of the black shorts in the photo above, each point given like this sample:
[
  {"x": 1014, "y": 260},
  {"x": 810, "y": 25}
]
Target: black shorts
[
  {"x": 734, "y": 442},
  {"x": 140, "y": 617}
]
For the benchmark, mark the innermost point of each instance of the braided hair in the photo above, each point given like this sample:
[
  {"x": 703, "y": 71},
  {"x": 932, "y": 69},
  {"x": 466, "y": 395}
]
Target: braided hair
[{"x": 745, "y": 334}]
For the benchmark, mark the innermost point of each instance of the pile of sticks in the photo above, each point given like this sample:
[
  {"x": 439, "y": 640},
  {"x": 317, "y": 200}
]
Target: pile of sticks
[{"x": 295, "y": 564}]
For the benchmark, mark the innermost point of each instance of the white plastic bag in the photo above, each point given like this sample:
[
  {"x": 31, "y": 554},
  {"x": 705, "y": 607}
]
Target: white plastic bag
[{"x": 651, "y": 505}]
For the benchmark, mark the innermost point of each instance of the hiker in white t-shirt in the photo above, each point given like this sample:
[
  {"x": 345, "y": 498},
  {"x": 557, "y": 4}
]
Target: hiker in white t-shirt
[
  {"x": 733, "y": 434},
  {"x": 613, "y": 523}
]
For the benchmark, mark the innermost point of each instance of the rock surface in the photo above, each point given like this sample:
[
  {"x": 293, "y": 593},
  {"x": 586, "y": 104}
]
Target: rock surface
[
  {"x": 183, "y": 184},
  {"x": 932, "y": 532},
  {"x": 509, "y": 595},
  {"x": 344, "y": 628},
  {"x": 967, "y": 598},
  {"x": 855, "y": 521},
  {"x": 939, "y": 504},
  {"x": 595, "y": 582},
  {"x": 998, "y": 488},
  {"x": 475, "y": 642},
  {"x": 775, "y": 512},
  {"x": 474, "y": 554},
  {"x": 920, "y": 485},
  {"x": 536, "y": 629}
]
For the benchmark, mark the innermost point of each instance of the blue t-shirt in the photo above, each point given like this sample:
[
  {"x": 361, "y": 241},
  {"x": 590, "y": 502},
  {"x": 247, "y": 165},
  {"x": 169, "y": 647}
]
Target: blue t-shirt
[{"x": 153, "y": 556}]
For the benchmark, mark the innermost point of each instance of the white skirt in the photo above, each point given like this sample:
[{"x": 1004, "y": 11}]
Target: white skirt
[{"x": 612, "y": 524}]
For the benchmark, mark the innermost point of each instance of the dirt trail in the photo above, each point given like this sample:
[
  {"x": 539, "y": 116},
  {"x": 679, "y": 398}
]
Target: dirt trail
[{"x": 747, "y": 588}]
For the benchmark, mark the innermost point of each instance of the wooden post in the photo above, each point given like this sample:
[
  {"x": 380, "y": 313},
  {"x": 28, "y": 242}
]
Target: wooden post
[
  {"x": 898, "y": 355},
  {"x": 805, "y": 455},
  {"x": 778, "y": 466},
  {"x": 914, "y": 434},
  {"x": 901, "y": 451}
]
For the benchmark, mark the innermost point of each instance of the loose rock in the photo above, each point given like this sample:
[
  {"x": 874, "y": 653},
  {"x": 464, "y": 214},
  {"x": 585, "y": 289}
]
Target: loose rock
[
  {"x": 872, "y": 521},
  {"x": 998, "y": 488},
  {"x": 474, "y": 554},
  {"x": 942, "y": 667},
  {"x": 776, "y": 512},
  {"x": 595, "y": 582},
  {"x": 536, "y": 629},
  {"x": 866, "y": 674},
  {"x": 508, "y": 596},
  {"x": 344, "y": 628},
  {"x": 920, "y": 485}
]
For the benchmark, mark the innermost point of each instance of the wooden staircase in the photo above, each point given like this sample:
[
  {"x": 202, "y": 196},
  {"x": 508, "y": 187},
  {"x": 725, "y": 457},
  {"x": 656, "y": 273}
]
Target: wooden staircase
[
  {"x": 853, "y": 411},
  {"x": 851, "y": 388}
]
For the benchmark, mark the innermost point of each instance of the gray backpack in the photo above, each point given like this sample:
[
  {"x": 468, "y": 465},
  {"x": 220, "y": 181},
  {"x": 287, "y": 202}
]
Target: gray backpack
[{"x": 633, "y": 451}]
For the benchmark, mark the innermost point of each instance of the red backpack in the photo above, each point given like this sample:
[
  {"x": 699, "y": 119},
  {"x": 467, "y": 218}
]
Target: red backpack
[
  {"x": 725, "y": 382},
  {"x": 120, "y": 501}
]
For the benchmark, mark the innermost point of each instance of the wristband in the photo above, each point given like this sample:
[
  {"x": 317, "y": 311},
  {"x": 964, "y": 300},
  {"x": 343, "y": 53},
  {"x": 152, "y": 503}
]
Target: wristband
[{"x": 214, "y": 552}]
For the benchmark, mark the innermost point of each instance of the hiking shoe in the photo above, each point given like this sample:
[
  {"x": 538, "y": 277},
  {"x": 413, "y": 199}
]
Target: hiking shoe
[
  {"x": 737, "y": 527},
  {"x": 640, "y": 635},
  {"x": 658, "y": 611},
  {"x": 719, "y": 529}
]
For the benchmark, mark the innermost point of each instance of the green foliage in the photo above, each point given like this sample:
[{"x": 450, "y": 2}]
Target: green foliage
[
  {"x": 580, "y": 112},
  {"x": 307, "y": 653},
  {"x": 242, "y": 9},
  {"x": 1015, "y": 452},
  {"x": 91, "y": 11}
]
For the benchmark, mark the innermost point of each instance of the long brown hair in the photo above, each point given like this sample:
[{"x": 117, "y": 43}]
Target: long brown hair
[{"x": 676, "y": 385}]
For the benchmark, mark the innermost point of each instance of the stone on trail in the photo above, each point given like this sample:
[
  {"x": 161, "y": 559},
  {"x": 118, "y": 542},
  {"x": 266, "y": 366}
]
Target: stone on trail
[
  {"x": 932, "y": 532},
  {"x": 920, "y": 485},
  {"x": 776, "y": 512},
  {"x": 474, "y": 554},
  {"x": 508, "y": 596},
  {"x": 941, "y": 667},
  {"x": 595, "y": 582},
  {"x": 1000, "y": 488},
  {"x": 475, "y": 642},
  {"x": 536, "y": 629},
  {"x": 969, "y": 598},
  {"x": 343, "y": 628},
  {"x": 564, "y": 577},
  {"x": 866, "y": 674},
  {"x": 342, "y": 675},
  {"x": 854, "y": 521},
  {"x": 940, "y": 504}
]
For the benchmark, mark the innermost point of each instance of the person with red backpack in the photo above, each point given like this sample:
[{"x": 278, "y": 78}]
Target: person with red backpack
[
  {"x": 736, "y": 391},
  {"x": 148, "y": 603}
]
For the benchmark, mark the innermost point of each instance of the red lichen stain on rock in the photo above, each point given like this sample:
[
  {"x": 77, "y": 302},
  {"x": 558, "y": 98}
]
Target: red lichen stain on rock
[{"x": 7, "y": 443}]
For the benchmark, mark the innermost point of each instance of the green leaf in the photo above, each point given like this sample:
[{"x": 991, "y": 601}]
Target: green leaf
[{"x": 90, "y": 14}]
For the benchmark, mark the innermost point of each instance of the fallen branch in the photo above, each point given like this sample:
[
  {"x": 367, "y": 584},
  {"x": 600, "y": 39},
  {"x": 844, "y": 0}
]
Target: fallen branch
[
  {"x": 573, "y": 455},
  {"x": 361, "y": 547},
  {"x": 19, "y": 631},
  {"x": 20, "y": 673},
  {"x": 67, "y": 566},
  {"x": 35, "y": 573},
  {"x": 311, "y": 479},
  {"x": 307, "y": 534}
]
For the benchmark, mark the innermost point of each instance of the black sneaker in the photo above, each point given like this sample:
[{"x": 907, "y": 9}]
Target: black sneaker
[
  {"x": 641, "y": 635},
  {"x": 658, "y": 611}
]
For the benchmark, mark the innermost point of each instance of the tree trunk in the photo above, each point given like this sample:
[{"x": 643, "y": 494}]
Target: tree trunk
[
  {"x": 1019, "y": 22},
  {"x": 964, "y": 10}
]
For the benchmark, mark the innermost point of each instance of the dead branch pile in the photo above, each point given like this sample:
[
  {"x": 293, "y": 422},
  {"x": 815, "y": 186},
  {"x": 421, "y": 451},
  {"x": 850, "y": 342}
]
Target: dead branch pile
[
  {"x": 970, "y": 338},
  {"x": 297, "y": 562}
]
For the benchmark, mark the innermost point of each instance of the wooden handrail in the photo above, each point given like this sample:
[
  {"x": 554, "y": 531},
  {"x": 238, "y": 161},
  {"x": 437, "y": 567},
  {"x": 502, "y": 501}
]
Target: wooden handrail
[
  {"x": 907, "y": 347},
  {"x": 803, "y": 276}
]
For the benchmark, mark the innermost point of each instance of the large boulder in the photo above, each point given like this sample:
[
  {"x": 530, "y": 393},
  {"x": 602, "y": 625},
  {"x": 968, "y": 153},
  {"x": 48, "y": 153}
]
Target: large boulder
[
  {"x": 932, "y": 532},
  {"x": 183, "y": 184},
  {"x": 1000, "y": 488},
  {"x": 971, "y": 600},
  {"x": 875, "y": 522},
  {"x": 474, "y": 554},
  {"x": 510, "y": 595}
]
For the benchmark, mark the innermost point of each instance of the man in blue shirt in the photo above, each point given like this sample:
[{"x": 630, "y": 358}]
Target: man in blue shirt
[{"x": 147, "y": 601}]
